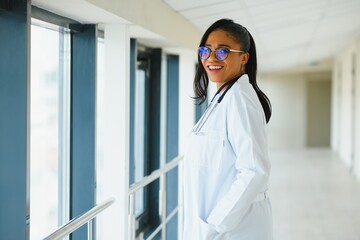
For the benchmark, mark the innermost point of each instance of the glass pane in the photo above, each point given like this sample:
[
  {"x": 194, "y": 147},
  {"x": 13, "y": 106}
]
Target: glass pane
[
  {"x": 44, "y": 128},
  {"x": 139, "y": 138}
]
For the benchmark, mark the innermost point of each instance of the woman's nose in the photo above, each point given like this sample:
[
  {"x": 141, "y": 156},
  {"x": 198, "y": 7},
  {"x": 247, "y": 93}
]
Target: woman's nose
[{"x": 212, "y": 56}]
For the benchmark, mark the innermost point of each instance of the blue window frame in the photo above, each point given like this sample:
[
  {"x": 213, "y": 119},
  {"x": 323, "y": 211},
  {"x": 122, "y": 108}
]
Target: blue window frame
[
  {"x": 15, "y": 139},
  {"x": 14, "y": 85}
]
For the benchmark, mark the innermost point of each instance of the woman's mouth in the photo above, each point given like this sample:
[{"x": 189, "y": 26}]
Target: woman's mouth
[{"x": 214, "y": 67}]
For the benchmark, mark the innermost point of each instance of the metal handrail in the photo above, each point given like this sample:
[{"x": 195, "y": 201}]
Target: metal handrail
[
  {"x": 154, "y": 175},
  {"x": 159, "y": 228},
  {"x": 79, "y": 221},
  {"x": 157, "y": 174}
]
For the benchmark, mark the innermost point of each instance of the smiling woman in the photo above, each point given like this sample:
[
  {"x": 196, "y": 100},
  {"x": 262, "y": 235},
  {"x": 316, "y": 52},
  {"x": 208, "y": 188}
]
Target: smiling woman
[
  {"x": 222, "y": 66},
  {"x": 226, "y": 37},
  {"x": 226, "y": 165}
]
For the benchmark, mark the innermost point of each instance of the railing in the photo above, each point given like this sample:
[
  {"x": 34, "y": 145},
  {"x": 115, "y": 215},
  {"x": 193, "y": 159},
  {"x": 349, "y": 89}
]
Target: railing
[
  {"x": 79, "y": 221},
  {"x": 158, "y": 174}
]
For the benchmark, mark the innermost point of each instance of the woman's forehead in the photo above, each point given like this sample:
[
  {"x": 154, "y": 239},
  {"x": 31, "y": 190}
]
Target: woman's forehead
[{"x": 221, "y": 38}]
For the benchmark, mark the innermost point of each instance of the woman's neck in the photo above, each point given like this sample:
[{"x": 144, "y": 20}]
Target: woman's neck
[{"x": 223, "y": 86}]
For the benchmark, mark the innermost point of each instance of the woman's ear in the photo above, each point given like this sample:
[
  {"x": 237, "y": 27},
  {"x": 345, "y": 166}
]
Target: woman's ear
[{"x": 244, "y": 58}]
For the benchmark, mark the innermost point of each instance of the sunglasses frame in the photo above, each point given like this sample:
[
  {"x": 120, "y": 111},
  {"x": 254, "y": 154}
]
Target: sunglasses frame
[{"x": 216, "y": 52}]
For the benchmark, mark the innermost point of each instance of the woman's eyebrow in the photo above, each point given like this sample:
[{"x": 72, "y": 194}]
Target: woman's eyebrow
[
  {"x": 220, "y": 45},
  {"x": 224, "y": 45}
]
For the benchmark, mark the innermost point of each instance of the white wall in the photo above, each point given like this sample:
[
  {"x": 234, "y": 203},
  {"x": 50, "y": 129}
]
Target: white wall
[
  {"x": 187, "y": 107},
  {"x": 287, "y": 126},
  {"x": 154, "y": 19},
  {"x": 318, "y": 109},
  {"x": 112, "y": 172},
  {"x": 155, "y": 16},
  {"x": 345, "y": 107},
  {"x": 357, "y": 114},
  {"x": 289, "y": 96}
]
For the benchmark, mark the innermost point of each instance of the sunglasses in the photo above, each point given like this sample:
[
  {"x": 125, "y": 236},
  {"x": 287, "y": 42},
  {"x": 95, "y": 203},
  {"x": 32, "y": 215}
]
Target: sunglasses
[{"x": 221, "y": 53}]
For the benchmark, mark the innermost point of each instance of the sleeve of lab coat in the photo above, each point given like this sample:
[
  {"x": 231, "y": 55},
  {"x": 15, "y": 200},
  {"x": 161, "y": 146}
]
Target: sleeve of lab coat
[{"x": 246, "y": 134}]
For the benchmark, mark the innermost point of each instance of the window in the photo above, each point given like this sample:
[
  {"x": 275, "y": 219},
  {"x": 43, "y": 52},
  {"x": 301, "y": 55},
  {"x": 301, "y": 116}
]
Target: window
[
  {"x": 139, "y": 138},
  {"x": 145, "y": 132},
  {"x": 49, "y": 128}
]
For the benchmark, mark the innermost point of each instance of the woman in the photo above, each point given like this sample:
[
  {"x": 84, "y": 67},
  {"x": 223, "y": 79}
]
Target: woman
[{"x": 226, "y": 165}]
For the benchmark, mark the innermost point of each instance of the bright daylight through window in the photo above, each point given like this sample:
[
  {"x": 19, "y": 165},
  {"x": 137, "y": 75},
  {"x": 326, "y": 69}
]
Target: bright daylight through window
[{"x": 49, "y": 114}]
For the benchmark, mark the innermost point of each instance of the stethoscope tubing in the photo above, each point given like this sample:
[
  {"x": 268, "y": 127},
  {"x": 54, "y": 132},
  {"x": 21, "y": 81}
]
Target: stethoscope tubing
[{"x": 212, "y": 106}]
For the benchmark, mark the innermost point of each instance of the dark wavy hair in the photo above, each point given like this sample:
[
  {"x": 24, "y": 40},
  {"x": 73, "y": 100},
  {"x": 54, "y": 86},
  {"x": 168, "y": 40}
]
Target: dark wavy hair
[{"x": 246, "y": 41}]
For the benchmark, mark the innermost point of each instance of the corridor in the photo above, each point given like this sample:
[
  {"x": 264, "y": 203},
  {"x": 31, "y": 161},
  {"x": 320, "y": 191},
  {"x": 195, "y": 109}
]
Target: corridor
[{"x": 314, "y": 197}]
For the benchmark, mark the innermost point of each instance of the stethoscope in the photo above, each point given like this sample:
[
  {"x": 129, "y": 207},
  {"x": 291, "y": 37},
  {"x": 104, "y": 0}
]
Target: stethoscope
[{"x": 211, "y": 107}]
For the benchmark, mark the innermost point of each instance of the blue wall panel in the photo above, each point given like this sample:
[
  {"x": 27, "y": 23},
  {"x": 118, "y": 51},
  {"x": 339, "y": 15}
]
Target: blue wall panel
[
  {"x": 172, "y": 140},
  {"x": 83, "y": 83},
  {"x": 153, "y": 133},
  {"x": 133, "y": 63},
  {"x": 14, "y": 71}
]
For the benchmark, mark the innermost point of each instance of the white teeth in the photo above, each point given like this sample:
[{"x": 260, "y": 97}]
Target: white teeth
[{"x": 215, "y": 67}]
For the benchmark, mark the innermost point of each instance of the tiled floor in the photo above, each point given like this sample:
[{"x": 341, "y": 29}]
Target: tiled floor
[{"x": 314, "y": 197}]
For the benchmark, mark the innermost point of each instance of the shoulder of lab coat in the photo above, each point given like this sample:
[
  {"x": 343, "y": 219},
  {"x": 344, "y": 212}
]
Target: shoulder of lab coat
[{"x": 246, "y": 134}]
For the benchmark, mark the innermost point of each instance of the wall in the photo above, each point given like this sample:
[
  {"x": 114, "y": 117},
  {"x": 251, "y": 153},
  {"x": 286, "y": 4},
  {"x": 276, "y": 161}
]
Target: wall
[
  {"x": 294, "y": 112},
  {"x": 345, "y": 106},
  {"x": 287, "y": 125},
  {"x": 155, "y": 16},
  {"x": 187, "y": 107},
  {"x": 318, "y": 110},
  {"x": 357, "y": 116},
  {"x": 154, "y": 19}
]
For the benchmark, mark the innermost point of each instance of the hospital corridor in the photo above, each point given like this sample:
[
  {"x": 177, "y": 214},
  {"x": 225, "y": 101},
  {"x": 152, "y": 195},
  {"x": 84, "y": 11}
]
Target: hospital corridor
[{"x": 108, "y": 130}]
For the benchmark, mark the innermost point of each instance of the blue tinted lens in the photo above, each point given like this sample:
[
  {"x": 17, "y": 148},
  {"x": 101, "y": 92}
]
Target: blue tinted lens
[
  {"x": 204, "y": 52},
  {"x": 221, "y": 53}
]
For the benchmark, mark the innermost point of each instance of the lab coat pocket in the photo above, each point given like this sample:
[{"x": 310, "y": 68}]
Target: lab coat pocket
[
  {"x": 206, "y": 231},
  {"x": 209, "y": 146}
]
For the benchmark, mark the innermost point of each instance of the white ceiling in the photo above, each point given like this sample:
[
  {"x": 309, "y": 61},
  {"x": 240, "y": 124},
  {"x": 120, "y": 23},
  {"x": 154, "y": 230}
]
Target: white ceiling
[{"x": 287, "y": 32}]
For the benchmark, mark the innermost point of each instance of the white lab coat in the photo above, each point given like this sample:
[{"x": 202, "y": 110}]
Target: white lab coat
[{"x": 226, "y": 168}]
